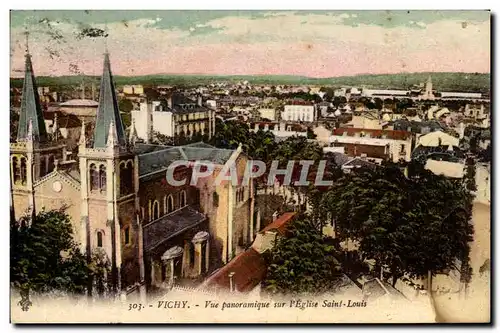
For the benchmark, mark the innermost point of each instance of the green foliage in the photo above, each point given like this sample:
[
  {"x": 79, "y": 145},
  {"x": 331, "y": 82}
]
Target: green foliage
[
  {"x": 311, "y": 134},
  {"x": 44, "y": 256},
  {"x": 470, "y": 174},
  {"x": 127, "y": 119},
  {"x": 445, "y": 81},
  {"x": 408, "y": 225},
  {"x": 125, "y": 105},
  {"x": 302, "y": 262}
]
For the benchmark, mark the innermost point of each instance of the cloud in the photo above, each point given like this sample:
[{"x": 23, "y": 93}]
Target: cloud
[{"x": 317, "y": 44}]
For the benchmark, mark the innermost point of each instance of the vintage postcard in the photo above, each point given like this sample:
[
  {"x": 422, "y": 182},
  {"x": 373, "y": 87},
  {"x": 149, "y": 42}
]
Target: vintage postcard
[{"x": 250, "y": 166}]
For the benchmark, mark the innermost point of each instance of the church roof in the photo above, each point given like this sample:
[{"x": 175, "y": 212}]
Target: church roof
[
  {"x": 159, "y": 159},
  {"x": 200, "y": 144},
  {"x": 216, "y": 155},
  {"x": 144, "y": 148},
  {"x": 108, "y": 112},
  {"x": 30, "y": 106},
  {"x": 168, "y": 226}
]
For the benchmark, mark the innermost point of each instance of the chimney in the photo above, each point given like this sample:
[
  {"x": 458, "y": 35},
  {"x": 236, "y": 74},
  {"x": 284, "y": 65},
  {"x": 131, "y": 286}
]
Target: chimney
[
  {"x": 200, "y": 100},
  {"x": 232, "y": 287}
]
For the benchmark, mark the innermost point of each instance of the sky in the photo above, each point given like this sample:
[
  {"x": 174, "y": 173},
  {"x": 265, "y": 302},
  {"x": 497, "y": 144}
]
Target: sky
[{"x": 307, "y": 43}]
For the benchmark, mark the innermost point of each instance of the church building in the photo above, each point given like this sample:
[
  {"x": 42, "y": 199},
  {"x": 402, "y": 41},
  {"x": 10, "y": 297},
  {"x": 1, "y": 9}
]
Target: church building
[{"x": 121, "y": 206}]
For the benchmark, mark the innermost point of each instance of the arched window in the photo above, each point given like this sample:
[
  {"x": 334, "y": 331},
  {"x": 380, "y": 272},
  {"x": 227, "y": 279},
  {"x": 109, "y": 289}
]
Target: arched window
[
  {"x": 16, "y": 170},
  {"x": 126, "y": 178},
  {"x": 130, "y": 175},
  {"x": 156, "y": 210},
  {"x": 126, "y": 232},
  {"x": 94, "y": 178},
  {"x": 102, "y": 177},
  {"x": 23, "y": 170},
  {"x": 215, "y": 199},
  {"x": 182, "y": 199},
  {"x": 99, "y": 239},
  {"x": 43, "y": 166},
  {"x": 50, "y": 166},
  {"x": 170, "y": 204}
]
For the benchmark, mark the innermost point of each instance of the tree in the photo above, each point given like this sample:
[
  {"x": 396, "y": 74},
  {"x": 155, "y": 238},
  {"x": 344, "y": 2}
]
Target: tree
[
  {"x": 44, "y": 257},
  {"x": 311, "y": 134},
  {"x": 302, "y": 262},
  {"x": 408, "y": 225},
  {"x": 125, "y": 105},
  {"x": 470, "y": 174},
  {"x": 329, "y": 93},
  {"x": 378, "y": 103},
  {"x": 162, "y": 139}
]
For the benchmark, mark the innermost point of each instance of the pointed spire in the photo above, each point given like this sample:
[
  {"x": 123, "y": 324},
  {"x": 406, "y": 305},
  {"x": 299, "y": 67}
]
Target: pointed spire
[
  {"x": 112, "y": 138},
  {"x": 83, "y": 137},
  {"x": 108, "y": 112},
  {"x": 29, "y": 133},
  {"x": 55, "y": 128},
  {"x": 133, "y": 133},
  {"x": 30, "y": 106}
]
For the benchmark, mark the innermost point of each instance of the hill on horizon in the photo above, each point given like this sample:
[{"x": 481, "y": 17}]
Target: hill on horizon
[{"x": 442, "y": 81}]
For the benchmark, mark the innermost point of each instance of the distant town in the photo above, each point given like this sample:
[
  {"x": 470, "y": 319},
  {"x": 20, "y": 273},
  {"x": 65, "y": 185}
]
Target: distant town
[{"x": 101, "y": 151}]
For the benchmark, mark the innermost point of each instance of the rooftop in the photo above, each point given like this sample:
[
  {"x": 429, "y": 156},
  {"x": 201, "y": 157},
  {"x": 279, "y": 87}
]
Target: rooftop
[
  {"x": 280, "y": 224},
  {"x": 374, "y": 133},
  {"x": 157, "y": 158},
  {"x": 168, "y": 226},
  {"x": 249, "y": 270},
  {"x": 80, "y": 102}
]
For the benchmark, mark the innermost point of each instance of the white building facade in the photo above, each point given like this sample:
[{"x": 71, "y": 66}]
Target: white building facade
[
  {"x": 299, "y": 112},
  {"x": 171, "y": 121}
]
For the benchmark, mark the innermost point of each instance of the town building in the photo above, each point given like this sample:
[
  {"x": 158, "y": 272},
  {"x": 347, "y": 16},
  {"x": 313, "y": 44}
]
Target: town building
[
  {"x": 281, "y": 130},
  {"x": 178, "y": 117},
  {"x": 133, "y": 90},
  {"x": 429, "y": 92},
  {"x": 118, "y": 199},
  {"x": 365, "y": 119},
  {"x": 440, "y": 153},
  {"x": 299, "y": 111},
  {"x": 268, "y": 113},
  {"x": 385, "y": 93},
  {"x": 84, "y": 109},
  {"x": 378, "y": 144}
]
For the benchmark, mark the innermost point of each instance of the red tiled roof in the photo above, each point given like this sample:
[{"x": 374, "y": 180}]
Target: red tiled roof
[
  {"x": 280, "y": 223},
  {"x": 249, "y": 270},
  {"x": 374, "y": 133},
  {"x": 249, "y": 267}
]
